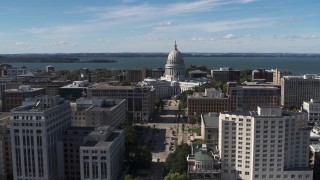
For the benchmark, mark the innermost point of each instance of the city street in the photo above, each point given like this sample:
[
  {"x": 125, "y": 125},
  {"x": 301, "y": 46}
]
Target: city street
[{"x": 167, "y": 134}]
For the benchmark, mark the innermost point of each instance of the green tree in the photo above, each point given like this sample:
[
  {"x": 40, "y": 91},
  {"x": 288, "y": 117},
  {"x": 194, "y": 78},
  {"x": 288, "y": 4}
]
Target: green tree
[
  {"x": 177, "y": 176},
  {"x": 128, "y": 177},
  {"x": 131, "y": 134},
  {"x": 177, "y": 162},
  {"x": 245, "y": 75},
  {"x": 139, "y": 157},
  {"x": 183, "y": 99}
]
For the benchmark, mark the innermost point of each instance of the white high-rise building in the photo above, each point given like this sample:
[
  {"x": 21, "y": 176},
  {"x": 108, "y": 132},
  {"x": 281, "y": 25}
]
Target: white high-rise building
[
  {"x": 312, "y": 108},
  {"x": 267, "y": 144},
  {"x": 35, "y": 128}
]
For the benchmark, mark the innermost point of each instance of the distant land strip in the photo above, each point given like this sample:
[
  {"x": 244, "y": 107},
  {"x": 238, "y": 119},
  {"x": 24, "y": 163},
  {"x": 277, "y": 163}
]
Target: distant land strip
[{"x": 50, "y": 60}]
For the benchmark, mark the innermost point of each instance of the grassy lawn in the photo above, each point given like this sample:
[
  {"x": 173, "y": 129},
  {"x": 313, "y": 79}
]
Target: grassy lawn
[{"x": 196, "y": 130}]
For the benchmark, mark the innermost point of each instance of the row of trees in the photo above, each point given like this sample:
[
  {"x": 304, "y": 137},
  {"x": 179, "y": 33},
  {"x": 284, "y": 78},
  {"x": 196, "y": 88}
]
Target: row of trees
[
  {"x": 137, "y": 154},
  {"x": 177, "y": 162}
]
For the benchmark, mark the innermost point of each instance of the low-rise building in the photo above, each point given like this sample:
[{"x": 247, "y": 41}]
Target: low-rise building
[
  {"x": 140, "y": 100},
  {"x": 225, "y": 74},
  {"x": 93, "y": 112},
  {"x": 102, "y": 154},
  {"x": 315, "y": 160},
  {"x": 262, "y": 74},
  {"x": 212, "y": 100},
  {"x": 75, "y": 90},
  {"x": 312, "y": 108},
  {"x": 12, "y": 98},
  {"x": 204, "y": 162},
  {"x": 210, "y": 128}
]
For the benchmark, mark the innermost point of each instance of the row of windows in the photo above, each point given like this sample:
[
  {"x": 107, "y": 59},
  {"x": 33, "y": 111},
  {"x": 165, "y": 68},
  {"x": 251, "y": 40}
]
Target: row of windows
[{"x": 284, "y": 176}]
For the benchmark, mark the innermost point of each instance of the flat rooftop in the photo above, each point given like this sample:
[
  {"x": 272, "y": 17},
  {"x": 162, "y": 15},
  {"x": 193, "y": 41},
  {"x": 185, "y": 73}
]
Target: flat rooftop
[
  {"x": 107, "y": 143},
  {"x": 211, "y": 120}
]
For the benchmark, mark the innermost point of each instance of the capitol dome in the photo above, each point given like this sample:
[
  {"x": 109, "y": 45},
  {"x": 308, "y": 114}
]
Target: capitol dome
[
  {"x": 175, "y": 56},
  {"x": 175, "y": 68}
]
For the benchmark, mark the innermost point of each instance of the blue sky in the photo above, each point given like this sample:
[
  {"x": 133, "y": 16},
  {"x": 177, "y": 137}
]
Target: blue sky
[{"x": 68, "y": 26}]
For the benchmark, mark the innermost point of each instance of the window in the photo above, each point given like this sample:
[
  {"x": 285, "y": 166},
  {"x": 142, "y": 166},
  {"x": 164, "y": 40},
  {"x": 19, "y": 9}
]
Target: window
[{"x": 246, "y": 173}]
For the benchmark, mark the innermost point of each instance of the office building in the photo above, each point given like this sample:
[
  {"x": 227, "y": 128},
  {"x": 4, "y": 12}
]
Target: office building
[
  {"x": 315, "y": 160},
  {"x": 3, "y": 84},
  {"x": 15, "y": 72},
  {"x": 5, "y": 147},
  {"x": 204, "y": 162},
  {"x": 12, "y": 98},
  {"x": 72, "y": 140},
  {"x": 194, "y": 74},
  {"x": 93, "y": 112},
  {"x": 102, "y": 154},
  {"x": 278, "y": 74},
  {"x": 36, "y": 128},
  {"x": 75, "y": 90},
  {"x": 212, "y": 100},
  {"x": 312, "y": 108},
  {"x": 262, "y": 75},
  {"x": 247, "y": 98},
  {"x": 265, "y": 144},
  {"x": 140, "y": 100},
  {"x": 225, "y": 74},
  {"x": 296, "y": 89}
]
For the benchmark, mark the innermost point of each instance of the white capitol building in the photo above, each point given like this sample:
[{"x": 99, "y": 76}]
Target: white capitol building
[{"x": 173, "y": 82}]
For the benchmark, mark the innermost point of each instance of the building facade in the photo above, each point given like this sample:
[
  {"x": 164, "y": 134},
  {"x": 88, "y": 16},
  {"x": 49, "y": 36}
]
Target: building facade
[
  {"x": 204, "y": 162},
  {"x": 247, "y": 98},
  {"x": 225, "y": 75},
  {"x": 266, "y": 144},
  {"x": 72, "y": 140},
  {"x": 36, "y": 127},
  {"x": 262, "y": 74},
  {"x": 312, "y": 108},
  {"x": 210, "y": 128},
  {"x": 140, "y": 100},
  {"x": 12, "y": 98},
  {"x": 296, "y": 89},
  {"x": 93, "y": 112},
  {"x": 101, "y": 154},
  {"x": 211, "y": 100}
]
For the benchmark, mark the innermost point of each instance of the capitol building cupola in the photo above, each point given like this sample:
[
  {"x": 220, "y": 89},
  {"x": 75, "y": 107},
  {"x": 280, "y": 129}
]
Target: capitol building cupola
[{"x": 175, "y": 68}]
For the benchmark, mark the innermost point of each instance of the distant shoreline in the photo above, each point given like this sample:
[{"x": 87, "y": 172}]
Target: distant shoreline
[{"x": 50, "y": 60}]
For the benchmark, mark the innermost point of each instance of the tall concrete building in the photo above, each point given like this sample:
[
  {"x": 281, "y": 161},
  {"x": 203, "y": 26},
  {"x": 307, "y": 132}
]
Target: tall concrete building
[
  {"x": 72, "y": 140},
  {"x": 247, "y": 98},
  {"x": 93, "y": 112},
  {"x": 296, "y": 89},
  {"x": 266, "y": 144},
  {"x": 140, "y": 100},
  {"x": 36, "y": 127},
  {"x": 101, "y": 154},
  {"x": 5, "y": 147}
]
